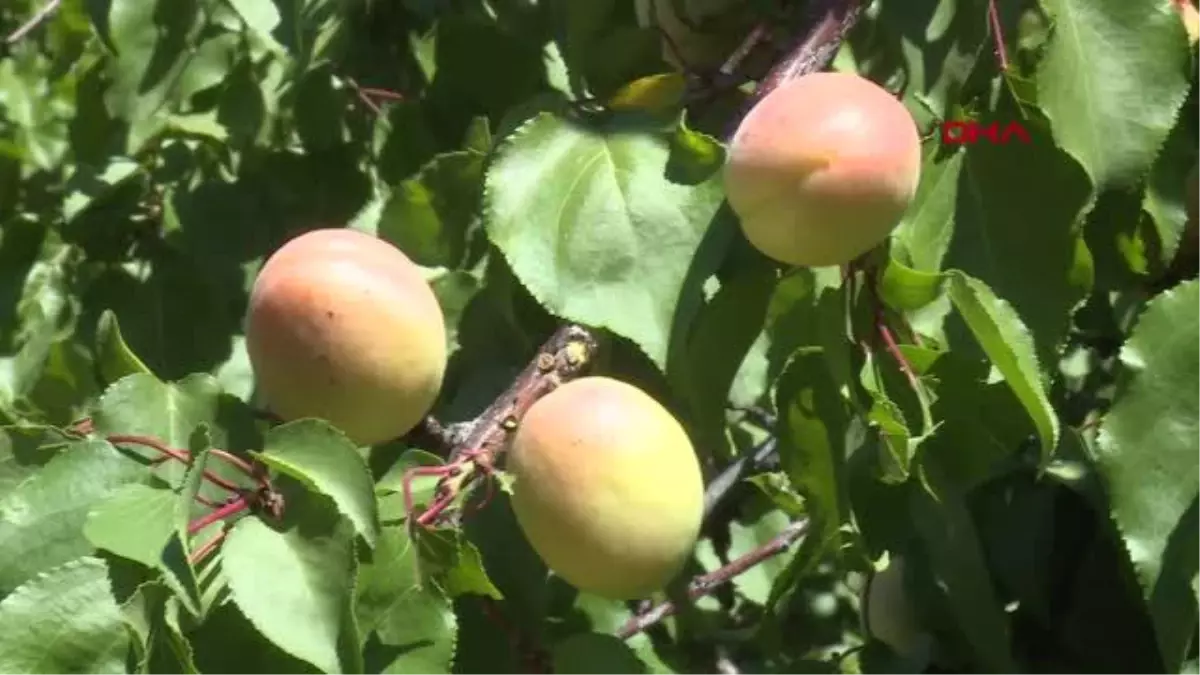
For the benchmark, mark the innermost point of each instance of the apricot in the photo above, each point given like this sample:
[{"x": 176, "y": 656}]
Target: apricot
[
  {"x": 342, "y": 326},
  {"x": 607, "y": 488},
  {"x": 890, "y": 617},
  {"x": 822, "y": 169}
]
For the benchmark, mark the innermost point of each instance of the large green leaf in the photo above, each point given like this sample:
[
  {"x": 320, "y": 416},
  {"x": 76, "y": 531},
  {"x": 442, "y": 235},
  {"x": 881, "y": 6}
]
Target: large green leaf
[
  {"x": 322, "y": 458},
  {"x": 1111, "y": 80},
  {"x": 295, "y": 585},
  {"x": 1148, "y": 453},
  {"x": 42, "y": 520},
  {"x": 64, "y": 621},
  {"x": 592, "y": 226}
]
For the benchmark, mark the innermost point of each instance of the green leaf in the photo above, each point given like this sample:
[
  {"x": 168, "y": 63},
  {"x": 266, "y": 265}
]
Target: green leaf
[
  {"x": 140, "y": 405},
  {"x": 816, "y": 433},
  {"x": 1147, "y": 452},
  {"x": 755, "y": 583},
  {"x": 41, "y": 521},
  {"x": 64, "y": 621},
  {"x": 721, "y": 334},
  {"x": 138, "y": 522},
  {"x": 428, "y": 216},
  {"x": 294, "y": 585},
  {"x": 1111, "y": 79},
  {"x": 415, "y": 621},
  {"x": 1008, "y": 343},
  {"x": 114, "y": 358},
  {"x": 88, "y": 185},
  {"x": 988, "y": 203},
  {"x": 592, "y": 227},
  {"x": 322, "y": 458},
  {"x": 595, "y": 653},
  {"x": 261, "y": 15},
  {"x": 24, "y": 450},
  {"x": 455, "y": 564}
]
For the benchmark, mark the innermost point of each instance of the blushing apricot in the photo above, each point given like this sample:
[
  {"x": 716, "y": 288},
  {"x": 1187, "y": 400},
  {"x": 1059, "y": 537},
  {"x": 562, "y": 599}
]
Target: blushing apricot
[
  {"x": 342, "y": 326},
  {"x": 823, "y": 169},
  {"x": 607, "y": 487}
]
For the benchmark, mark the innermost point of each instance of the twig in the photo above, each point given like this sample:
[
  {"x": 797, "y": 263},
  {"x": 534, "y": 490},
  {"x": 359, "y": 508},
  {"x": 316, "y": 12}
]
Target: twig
[
  {"x": 33, "y": 22},
  {"x": 707, "y": 583},
  {"x": 998, "y": 36},
  {"x": 433, "y": 436},
  {"x": 827, "y": 22},
  {"x": 564, "y": 356},
  {"x": 735, "y": 472}
]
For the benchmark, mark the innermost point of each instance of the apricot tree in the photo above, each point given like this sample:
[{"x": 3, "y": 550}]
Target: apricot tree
[{"x": 598, "y": 336}]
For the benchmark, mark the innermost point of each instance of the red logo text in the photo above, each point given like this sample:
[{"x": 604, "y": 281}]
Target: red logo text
[{"x": 968, "y": 132}]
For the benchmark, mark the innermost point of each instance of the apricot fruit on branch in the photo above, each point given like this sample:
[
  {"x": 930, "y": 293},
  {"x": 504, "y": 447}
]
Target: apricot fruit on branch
[
  {"x": 822, "y": 169},
  {"x": 889, "y": 612},
  {"x": 342, "y": 326},
  {"x": 607, "y": 487}
]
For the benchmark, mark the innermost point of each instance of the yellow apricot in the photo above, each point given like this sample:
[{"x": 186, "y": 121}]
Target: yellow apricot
[
  {"x": 342, "y": 326},
  {"x": 607, "y": 487},
  {"x": 822, "y": 169}
]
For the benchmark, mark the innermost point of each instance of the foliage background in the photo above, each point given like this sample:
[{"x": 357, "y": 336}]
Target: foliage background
[{"x": 1041, "y": 480}]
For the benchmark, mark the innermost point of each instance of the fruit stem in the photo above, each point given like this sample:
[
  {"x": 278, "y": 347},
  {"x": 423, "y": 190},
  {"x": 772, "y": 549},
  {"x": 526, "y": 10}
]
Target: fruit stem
[
  {"x": 207, "y": 547},
  {"x": 998, "y": 36},
  {"x": 704, "y": 584},
  {"x": 177, "y": 455},
  {"x": 235, "y": 506}
]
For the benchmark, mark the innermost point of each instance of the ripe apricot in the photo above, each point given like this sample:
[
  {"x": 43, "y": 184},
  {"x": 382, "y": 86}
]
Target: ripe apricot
[
  {"x": 607, "y": 487},
  {"x": 342, "y": 326},
  {"x": 822, "y": 169}
]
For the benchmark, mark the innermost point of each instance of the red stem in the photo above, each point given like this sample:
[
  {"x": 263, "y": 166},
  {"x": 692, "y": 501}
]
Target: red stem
[
  {"x": 998, "y": 36},
  {"x": 207, "y": 548},
  {"x": 178, "y": 455},
  {"x": 234, "y": 507}
]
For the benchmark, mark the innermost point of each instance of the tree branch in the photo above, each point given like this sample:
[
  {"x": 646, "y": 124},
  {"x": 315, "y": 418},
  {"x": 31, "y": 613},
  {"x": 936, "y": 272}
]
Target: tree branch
[
  {"x": 825, "y": 25},
  {"x": 33, "y": 22},
  {"x": 733, "y": 474},
  {"x": 707, "y": 583},
  {"x": 564, "y": 356}
]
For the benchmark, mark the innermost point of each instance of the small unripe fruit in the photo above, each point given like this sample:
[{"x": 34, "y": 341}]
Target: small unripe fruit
[
  {"x": 889, "y": 613},
  {"x": 822, "y": 169},
  {"x": 343, "y": 327},
  {"x": 607, "y": 487}
]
